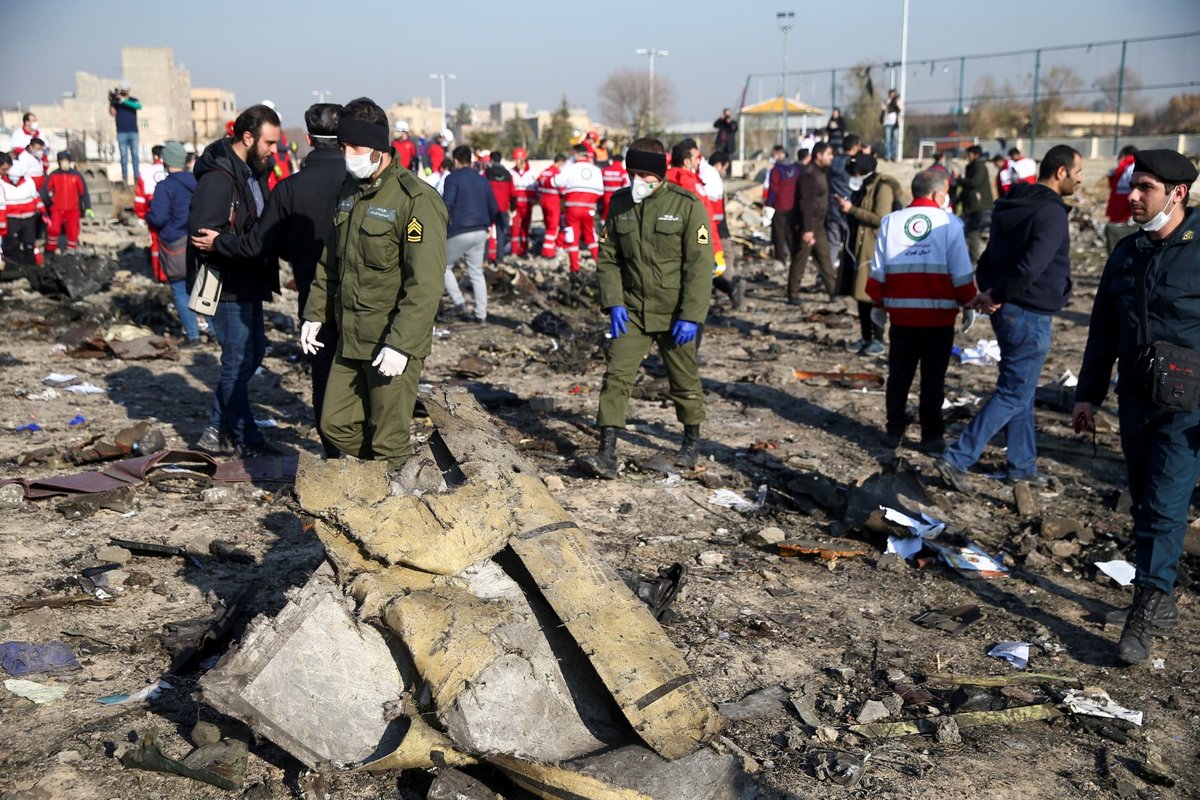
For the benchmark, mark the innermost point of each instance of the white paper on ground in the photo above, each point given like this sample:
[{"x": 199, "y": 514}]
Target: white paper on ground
[
  {"x": 85, "y": 388},
  {"x": 1015, "y": 653},
  {"x": 907, "y": 547},
  {"x": 1120, "y": 571},
  {"x": 55, "y": 377},
  {"x": 986, "y": 353},
  {"x": 1097, "y": 703},
  {"x": 728, "y": 498}
]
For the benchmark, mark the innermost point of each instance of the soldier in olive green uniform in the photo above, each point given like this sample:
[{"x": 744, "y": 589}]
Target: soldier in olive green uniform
[
  {"x": 381, "y": 279},
  {"x": 655, "y": 272}
]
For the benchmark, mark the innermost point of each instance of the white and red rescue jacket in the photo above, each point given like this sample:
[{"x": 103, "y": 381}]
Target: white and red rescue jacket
[
  {"x": 21, "y": 198},
  {"x": 581, "y": 183},
  {"x": 545, "y": 181},
  {"x": 525, "y": 186},
  {"x": 149, "y": 176},
  {"x": 615, "y": 177}
]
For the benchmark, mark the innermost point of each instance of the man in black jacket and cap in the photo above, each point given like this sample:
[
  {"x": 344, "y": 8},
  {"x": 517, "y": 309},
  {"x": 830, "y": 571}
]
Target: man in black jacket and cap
[
  {"x": 230, "y": 197},
  {"x": 1025, "y": 278},
  {"x": 294, "y": 226},
  {"x": 1148, "y": 299}
]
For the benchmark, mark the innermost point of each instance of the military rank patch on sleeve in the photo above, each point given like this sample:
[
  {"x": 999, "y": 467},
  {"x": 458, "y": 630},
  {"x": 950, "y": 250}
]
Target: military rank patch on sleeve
[
  {"x": 414, "y": 231},
  {"x": 702, "y": 234}
]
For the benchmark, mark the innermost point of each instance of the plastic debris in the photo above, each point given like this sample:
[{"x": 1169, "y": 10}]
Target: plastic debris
[
  {"x": 46, "y": 394},
  {"x": 77, "y": 420},
  {"x": 727, "y": 498},
  {"x": 907, "y": 547},
  {"x": 85, "y": 388},
  {"x": 1120, "y": 571},
  {"x": 984, "y": 354},
  {"x": 32, "y": 427},
  {"x": 952, "y": 620},
  {"x": 147, "y": 693},
  {"x": 970, "y": 560},
  {"x": 55, "y": 377},
  {"x": 39, "y": 693},
  {"x": 1097, "y": 703},
  {"x": 23, "y": 658},
  {"x": 1015, "y": 653}
]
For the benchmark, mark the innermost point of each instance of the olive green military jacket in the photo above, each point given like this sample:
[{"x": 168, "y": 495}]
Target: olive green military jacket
[
  {"x": 381, "y": 276},
  {"x": 656, "y": 258}
]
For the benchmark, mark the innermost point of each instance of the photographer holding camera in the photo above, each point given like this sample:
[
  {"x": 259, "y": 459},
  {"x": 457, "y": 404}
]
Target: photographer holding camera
[{"x": 123, "y": 109}]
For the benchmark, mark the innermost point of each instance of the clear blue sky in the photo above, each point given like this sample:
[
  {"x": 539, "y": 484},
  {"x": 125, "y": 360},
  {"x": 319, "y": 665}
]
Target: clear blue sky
[{"x": 538, "y": 51}]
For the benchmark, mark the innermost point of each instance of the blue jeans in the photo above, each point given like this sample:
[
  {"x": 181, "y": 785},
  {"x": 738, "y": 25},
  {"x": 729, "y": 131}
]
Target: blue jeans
[
  {"x": 187, "y": 317},
  {"x": 889, "y": 142},
  {"x": 127, "y": 143},
  {"x": 238, "y": 326},
  {"x": 1024, "y": 338}
]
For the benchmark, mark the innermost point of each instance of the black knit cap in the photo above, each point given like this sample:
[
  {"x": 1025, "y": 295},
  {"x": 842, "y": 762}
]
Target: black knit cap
[{"x": 1166, "y": 165}]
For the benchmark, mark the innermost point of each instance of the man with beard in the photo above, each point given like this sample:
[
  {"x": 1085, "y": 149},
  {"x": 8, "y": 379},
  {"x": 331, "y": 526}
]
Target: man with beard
[{"x": 231, "y": 192}]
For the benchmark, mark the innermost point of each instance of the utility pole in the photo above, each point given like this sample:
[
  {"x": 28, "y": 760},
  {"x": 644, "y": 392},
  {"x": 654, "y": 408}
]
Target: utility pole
[
  {"x": 443, "y": 77},
  {"x": 786, "y": 20},
  {"x": 1120, "y": 91},
  {"x": 320, "y": 94},
  {"x": 654, "y": 53},
  {"x": 903, "y": 82}
]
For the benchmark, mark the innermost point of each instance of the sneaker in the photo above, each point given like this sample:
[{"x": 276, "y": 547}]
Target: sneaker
[
  {"x": 214, "y": 441},
  {"x": 857, "y": 346},
  {"x": 874, "y": 349},
  {"x": 1134, "y": 647},
  {"x": 954, "y": 477},
  {"x": 261, "y": 449}
]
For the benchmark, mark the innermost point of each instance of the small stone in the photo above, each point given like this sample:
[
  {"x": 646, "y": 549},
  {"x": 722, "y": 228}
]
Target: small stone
[
  {"x": 205, "y": 733},
  {"x": 894, "y": 704},
  {"x": 872, "y": 711},
  {"x": 890, "y": 562},
  {"x": 1025, "y": 502},
  {"x": 116, "y": 577},
  {"x": 710, "y": 558},
  {"x": 219, "y": 495},
  {"x": 12, "y": 495},
  {"x": 69, "y": 757},
  {"x": 772, "y": 535},
  {"x": 113, "y": 555},
  {"x": 554, "y": 483},
  {"x": 1019, "y": 695},
  {"x": 199, "y": 544},
  {"x": 1036, "y": 560},
  {"x": 1174, "y": 702},
  {"x": 141, "y": 579},
  {"x": 827, "y": 734},
  {"x": 1065, "y": 548},
  {"x": 626, "y": 508},
  {"x": 947, "y": 731},
  {"x": 896, "y": 676},
  {"x": 845, "y": 674},
  {"x": 1059, "y": 527},
  {"x": 803, "y": 706}
]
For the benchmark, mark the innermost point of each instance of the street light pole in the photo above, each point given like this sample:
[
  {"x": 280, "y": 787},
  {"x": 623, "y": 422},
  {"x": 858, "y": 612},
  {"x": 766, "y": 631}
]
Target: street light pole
[
  {"x": 442, "y": 76},
  {"x": 785, "y": 19},
  {"x": 654, "y": 53},
  {"x": 320, "y": 94},
  {"x": 903, "y": 82}
]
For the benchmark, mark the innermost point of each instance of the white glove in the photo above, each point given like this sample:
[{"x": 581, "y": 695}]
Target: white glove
[
  {"x": 308, "y": 338},
  {"x": 768, "y": 215},
  {"x": 968, "y": 320},
  {"x": 390, "y": 362},
  {"x": 878, "y": 317}
]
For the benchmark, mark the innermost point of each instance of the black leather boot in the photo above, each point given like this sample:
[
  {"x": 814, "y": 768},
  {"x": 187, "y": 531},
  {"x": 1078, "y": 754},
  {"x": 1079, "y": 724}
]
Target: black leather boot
[
  {"x": 689, "y": 451},
  {"x": 602, "y": 463},
  {"x": 1150, "y": 613}
]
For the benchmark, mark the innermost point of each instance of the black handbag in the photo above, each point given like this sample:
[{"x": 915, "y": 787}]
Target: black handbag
[{"x": 1172, "y": 371}]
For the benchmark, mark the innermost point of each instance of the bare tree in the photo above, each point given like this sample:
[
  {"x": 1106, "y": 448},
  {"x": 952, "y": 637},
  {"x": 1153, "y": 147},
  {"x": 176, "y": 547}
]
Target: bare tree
[
  {"x": 625, "y": 101},
  {"x": 994, "y": 112},
  {"x": 1060, "y": 89}
]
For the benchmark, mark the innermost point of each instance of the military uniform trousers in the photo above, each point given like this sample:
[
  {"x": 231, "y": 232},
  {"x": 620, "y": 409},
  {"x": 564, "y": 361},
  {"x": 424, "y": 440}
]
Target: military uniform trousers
[
  {"x": 625, "y": 356},
  {"x": 1162, "y": 454},
  {"x": 367, "y": 415}
]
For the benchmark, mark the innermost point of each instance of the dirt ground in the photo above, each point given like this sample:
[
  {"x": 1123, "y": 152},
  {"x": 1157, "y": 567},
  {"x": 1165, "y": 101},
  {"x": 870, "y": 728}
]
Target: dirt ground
[{"x": 839, "y": 634}]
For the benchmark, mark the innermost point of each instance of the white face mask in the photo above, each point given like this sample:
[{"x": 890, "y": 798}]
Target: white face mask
[
  {"x": 360, "y": 166},
  {"x": 33, "y": 126},
  {"x": 641, "y": 188},
  {"x": 856, "y": 183},
  {"x": 946, "y": 206},
  {"x": 1159, "y": 220}
]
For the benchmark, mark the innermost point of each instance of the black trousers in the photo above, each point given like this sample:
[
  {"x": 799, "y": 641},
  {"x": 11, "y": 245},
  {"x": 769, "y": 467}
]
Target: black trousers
[
  {"x": 783, "y": 235},
  {"x": 869, "y": 330},
  {"x": 930, "y": 349}
]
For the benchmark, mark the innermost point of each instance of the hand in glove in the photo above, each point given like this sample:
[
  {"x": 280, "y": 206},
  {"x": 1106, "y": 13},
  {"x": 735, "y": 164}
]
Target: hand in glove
[
  {"x": 878, "y": 317},
  {"x": 308, "y": 338},
  {"x": 684, "y": 331},
  {"x": 90, "y": 214},
  {"x": 617, "y": 316},
  {"x": 390, "y": 362},
  {"x": 768, "y": 215},
  {"x": 968, "y": 319}
]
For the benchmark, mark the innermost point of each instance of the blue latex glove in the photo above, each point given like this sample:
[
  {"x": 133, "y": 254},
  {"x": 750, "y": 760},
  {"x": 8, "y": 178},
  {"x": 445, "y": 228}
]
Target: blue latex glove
[
  {"x": 617, "y": 316},
  {"x": 684, "y": 331}
]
